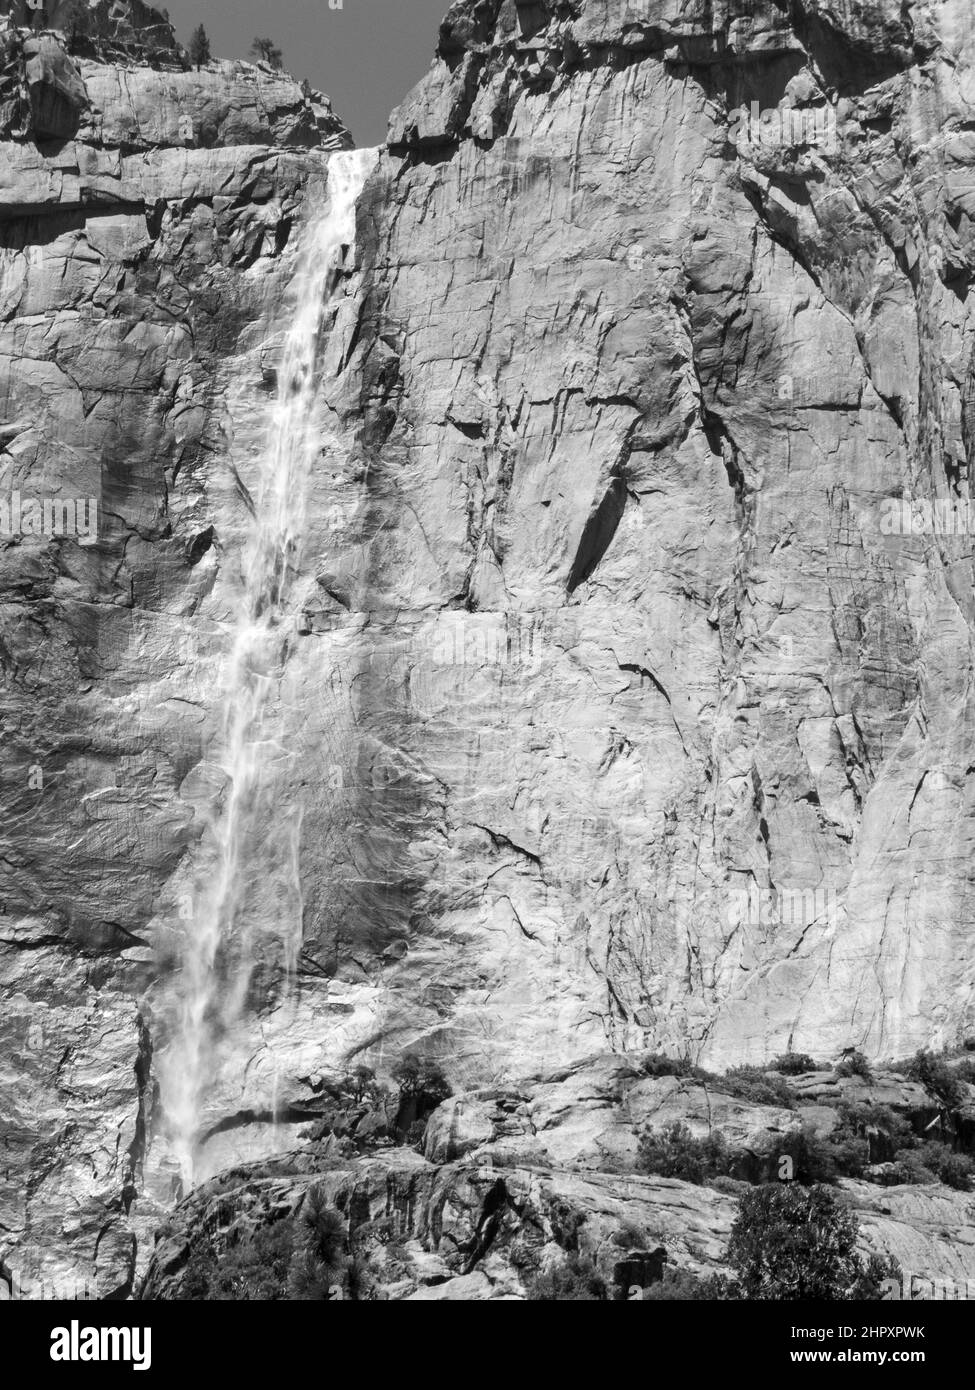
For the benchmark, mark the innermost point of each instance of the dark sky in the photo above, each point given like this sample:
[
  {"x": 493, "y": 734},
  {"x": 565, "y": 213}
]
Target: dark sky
[{"x": 366, "y": 55}]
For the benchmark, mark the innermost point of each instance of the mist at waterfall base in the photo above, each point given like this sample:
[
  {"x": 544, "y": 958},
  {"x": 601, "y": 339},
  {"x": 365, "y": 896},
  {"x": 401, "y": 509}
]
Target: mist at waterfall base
[{"x": 218, "y": 947}]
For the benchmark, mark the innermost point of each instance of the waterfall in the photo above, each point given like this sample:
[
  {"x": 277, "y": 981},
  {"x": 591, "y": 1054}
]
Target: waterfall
[{"x": 217, "y": 960}]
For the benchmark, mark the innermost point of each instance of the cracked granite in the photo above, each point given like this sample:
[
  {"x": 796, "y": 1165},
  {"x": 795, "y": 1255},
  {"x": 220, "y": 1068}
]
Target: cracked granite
[{"x": 601, "y": 633}]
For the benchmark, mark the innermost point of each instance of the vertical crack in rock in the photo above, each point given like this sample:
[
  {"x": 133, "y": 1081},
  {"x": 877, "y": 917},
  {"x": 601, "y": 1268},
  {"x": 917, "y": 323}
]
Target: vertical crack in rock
[{"x": 634, "y": 616}]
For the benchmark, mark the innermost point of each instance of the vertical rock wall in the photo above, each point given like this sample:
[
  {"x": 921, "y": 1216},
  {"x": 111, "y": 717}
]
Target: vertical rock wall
[{"x": 621, "y": 715}]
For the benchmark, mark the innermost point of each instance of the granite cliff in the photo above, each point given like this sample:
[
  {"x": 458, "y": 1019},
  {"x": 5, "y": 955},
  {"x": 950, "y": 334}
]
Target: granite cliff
[{"x": 625, "y": 710}]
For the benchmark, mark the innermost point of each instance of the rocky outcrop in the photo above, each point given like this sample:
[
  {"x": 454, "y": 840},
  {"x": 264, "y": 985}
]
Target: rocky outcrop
[
  {"x": 113, "y": 31},
  {"x": 435, "y": 1219},
  {"x": 512, "y": 1183},
  {"x": 625, "y": 709},
  {"x": 56, "y": 93}
]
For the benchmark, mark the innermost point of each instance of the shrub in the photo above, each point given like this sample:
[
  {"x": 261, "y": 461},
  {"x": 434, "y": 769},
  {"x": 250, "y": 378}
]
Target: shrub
[
  {"x": 849, "y": 1153},
  {"x": 309, "y": 1280},
  {"x": 255, "y": 1270},
  {"x": 744, "y": 1083},
  {"x": 566, "y": 1221},
  {"x": 860, "y": 1118},
  {"x": 421, "y": 1078},
  {"x": 289, "y": 1259},
  {"x": 877, "y": 1271},
  {"x": 361, "y": 1083},
  {"x": 630, "y": 1236},
  {"x": 731, "y": 1187},
  {"x": 199, "y": 1270},
  {"x": 266, "y": 51},
  {"x": 358, "y": 1280},
  {"x": 846, "y": 1150},
  {"x": 937, "y": 1078},
  {"x": 755, "y": 1085},
  {"x": 319, "y": 1263},
  {"x": 323, "y": 1228},
  {"x": 73, "y": 21},
  {"x": 953, "y": 1169},
  {"x": 792, "y": 1242},
  {"x": 674, "y": 1153},
  {"x": 422, "y": 1087},
  {"x": 793, "y": 1064},
  {"x": 965, "y": 1070},
  {"x": 910, "y": 1163},
  {"x": 678, "y": 1285},
  {"x": 854, "y": 1064},
  {"x": 657, "y": 1064},
  {"x": 865, "y": 1135},
  {"x": 893, "y": 1174},
  {"x": 814, "y": 1159},
  {"x": 573, "y": 1280}
]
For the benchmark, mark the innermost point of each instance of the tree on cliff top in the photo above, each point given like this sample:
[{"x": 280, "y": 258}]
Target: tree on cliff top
[
  {"x": 267, "y": 51},
  {"x": 200, "y": 48},
  {"x": 73, "y": 20}
]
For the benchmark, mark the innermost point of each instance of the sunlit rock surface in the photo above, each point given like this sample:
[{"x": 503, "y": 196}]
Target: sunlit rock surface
[
  {"x": 147, "y": 227},
  {"x": 552, "y": 1175},
  {"x": 619, "y": 715}
]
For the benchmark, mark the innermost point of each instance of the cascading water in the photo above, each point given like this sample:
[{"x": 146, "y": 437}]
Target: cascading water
[{"x": 217, "y": 959}]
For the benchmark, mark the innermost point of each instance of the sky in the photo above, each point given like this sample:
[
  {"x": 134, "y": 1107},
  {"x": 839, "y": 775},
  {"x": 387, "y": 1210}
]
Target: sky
[{"x": 365, "y": 56}]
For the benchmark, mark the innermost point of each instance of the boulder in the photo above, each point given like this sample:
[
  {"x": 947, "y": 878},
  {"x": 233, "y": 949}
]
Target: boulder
[{"x": 55, "y": 89}]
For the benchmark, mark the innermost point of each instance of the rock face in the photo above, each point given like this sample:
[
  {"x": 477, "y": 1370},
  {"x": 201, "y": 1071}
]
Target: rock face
[
  {"x": 435, "y": 1221},
  {"x": 531, "y": 1175},
  {"x": 147, "y": 223},
  {"x": 628, "y": 710},
  {"x": 686, "y": 729}
]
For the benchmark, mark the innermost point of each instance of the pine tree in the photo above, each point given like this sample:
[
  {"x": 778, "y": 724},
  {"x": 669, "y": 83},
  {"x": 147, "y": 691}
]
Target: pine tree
[
  {"x": 199, "y": 47},
  {"x": 72, "y": 19},
  {"x": 267, "y": 51}
]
